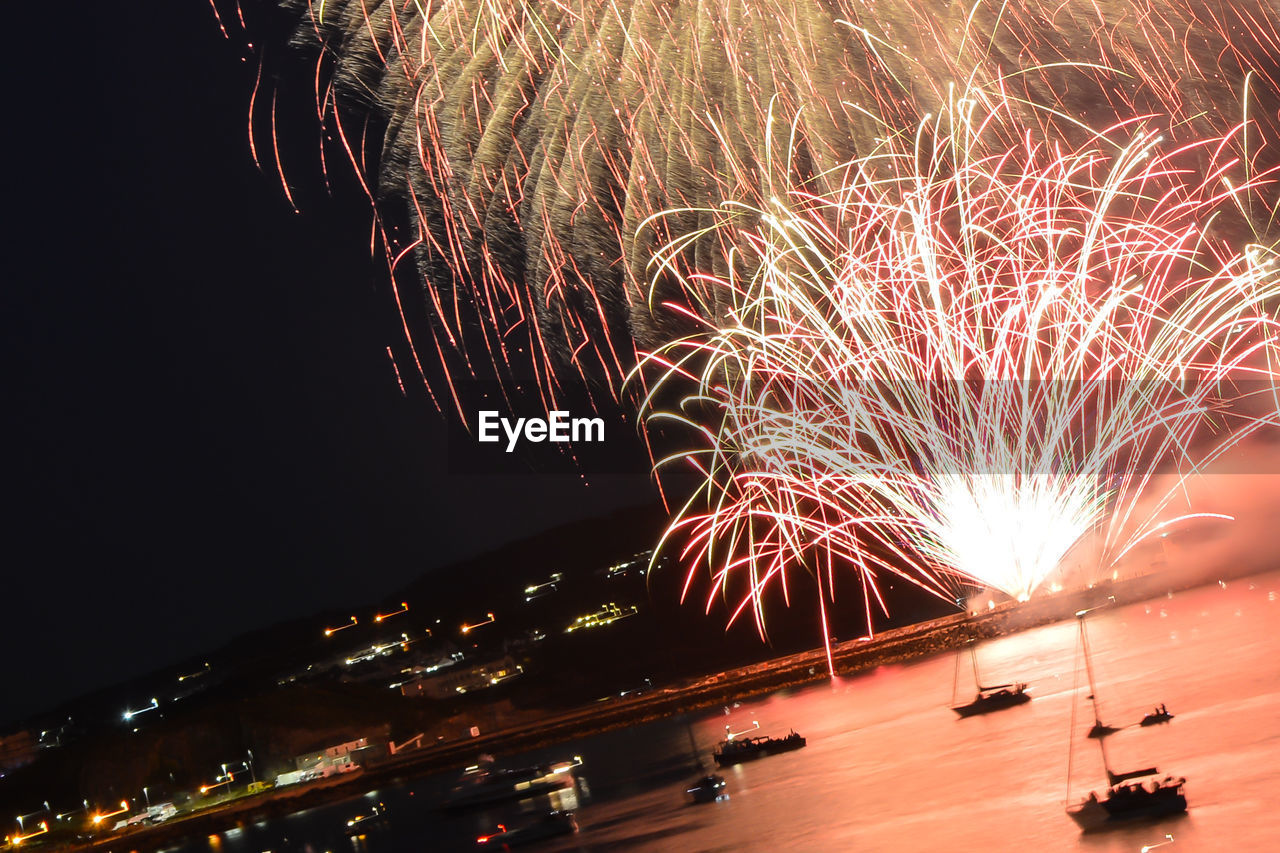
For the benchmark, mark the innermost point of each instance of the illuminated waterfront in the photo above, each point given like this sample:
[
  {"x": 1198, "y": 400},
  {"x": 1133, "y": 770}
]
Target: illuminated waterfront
[{"x": 890, "y": 768}]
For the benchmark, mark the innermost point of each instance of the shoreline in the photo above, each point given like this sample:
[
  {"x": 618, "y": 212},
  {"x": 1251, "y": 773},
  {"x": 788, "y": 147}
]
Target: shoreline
[{"x": 791, "y": 671}]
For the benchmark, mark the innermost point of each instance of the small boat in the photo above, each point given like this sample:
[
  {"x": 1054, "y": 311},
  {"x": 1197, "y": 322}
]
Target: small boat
[
  {"x": 748, "y": 749},
  {"x": 1156, "y": 717},
  {"x": 551, "y": 825},
  {"x": 361, "y": 823},
  {"x": 708, "y": 789},
  {"x": 988, "y": 699}
]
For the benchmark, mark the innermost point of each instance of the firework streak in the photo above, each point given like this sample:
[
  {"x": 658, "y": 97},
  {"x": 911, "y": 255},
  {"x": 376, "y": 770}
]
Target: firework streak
[{"x": 859, "y": 209}]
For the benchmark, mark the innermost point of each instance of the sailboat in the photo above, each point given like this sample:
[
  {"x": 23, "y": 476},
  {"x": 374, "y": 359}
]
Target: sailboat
[
  {"x": 988, "y": 699},
  {"x": 1100, "y": 729},
  {"x": 1130, "y": 795}
]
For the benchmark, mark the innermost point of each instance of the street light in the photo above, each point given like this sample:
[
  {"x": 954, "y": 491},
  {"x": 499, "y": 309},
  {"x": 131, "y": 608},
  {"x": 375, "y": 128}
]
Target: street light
[
  {"x": 329, "y": 632},
  {"x": 61, "y": 815},
  {"x": 404, "y": 608},
  {"x": 23, "y": 817},
  {"x": 129, "y": 715},
  {"x": 466, "y": 629},
  {"x": 199, "y": 672},
  {"x": 204, "y": 789},
  {"x": 237, "y": 766},
  {"x": 101, "y": 816},
  {"x": 17, "y": 840}
]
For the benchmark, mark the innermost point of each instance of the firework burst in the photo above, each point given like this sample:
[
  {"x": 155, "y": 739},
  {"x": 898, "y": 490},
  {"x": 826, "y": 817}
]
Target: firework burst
[{"x": 966, "y": 358}]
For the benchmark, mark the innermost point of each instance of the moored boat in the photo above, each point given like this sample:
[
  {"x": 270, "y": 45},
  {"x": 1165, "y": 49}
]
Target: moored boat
[
  {"x": 993, "y": 698},
  {"x": 734, "y": 751},
  {"x": 708, "y": 789},
  {"x": 1129, "y": 800}
]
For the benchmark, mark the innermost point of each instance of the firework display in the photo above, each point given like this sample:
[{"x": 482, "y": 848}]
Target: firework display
[
  {"x": 960, "y": 363},
  {"x": 936, "y": 287}
]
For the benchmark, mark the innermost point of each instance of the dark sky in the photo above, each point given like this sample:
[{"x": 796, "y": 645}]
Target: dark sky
[{"x": 206, "y": 434}]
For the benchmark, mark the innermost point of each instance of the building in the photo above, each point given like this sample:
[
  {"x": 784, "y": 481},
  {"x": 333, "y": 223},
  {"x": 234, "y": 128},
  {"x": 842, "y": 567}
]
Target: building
[
  {"x": 459, "y": 681},
  {"x": 343, "y": 753}
]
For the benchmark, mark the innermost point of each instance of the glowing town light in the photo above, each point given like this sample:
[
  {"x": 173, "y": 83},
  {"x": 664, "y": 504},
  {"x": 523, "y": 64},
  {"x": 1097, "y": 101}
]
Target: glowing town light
[
  {"x": 129, "y": 715},
  {"x": 404, "y": 608},
  {"x": 17, "y": 840},
  {"x": 329, "y": 632},
  {"x": 606, "y": 615},
  {"x": 205, "y": 789},
  {"x": 99, "y": 817},
  {"x": 467, "y": 629}
]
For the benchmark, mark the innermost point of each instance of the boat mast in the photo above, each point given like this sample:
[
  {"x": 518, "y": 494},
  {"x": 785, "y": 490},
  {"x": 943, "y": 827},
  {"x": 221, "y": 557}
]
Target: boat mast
[
  {"x": 1084, "y": 644},
  {"x": 1075, "y": 685},
  {"x": 955, "y": 680},
  {"x": 1088, "y": 668},
  {"x": 1106, "y": 765}
]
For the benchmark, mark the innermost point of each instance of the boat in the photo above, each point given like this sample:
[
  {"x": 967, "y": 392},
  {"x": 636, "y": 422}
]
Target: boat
[
  {"x": 550, "y": 825},
  {"x": 1131, "y": 795},
  {"x": 362, "y": 823},
  {"x": 483, "y": 784},
  {"x": 1156, "y": 717},
  {"x": 1128, "y": 798},
  {"x": 708, "y": 789},
  {"x": 988, "y": 699},
  {"x": 735, "y": 750}
]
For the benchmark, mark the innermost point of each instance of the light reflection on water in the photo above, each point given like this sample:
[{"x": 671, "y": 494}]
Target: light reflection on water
[{"x": 889, "y": 768}]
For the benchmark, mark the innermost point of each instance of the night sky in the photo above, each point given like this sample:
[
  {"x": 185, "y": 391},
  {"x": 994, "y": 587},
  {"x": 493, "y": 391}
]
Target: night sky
[{"x": 206, "y": 433}]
